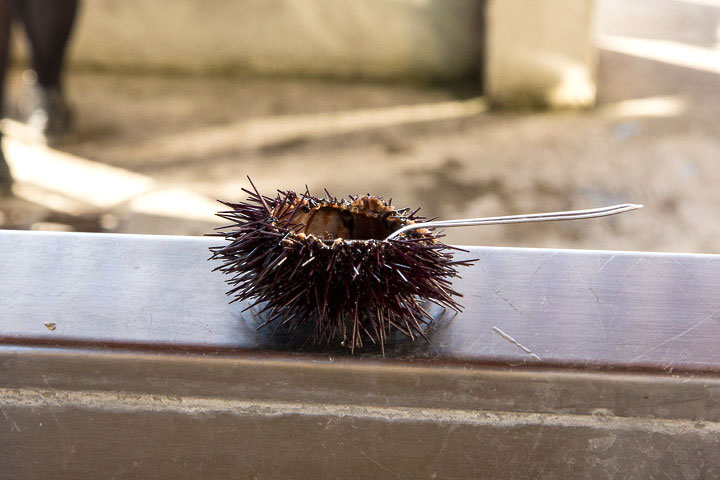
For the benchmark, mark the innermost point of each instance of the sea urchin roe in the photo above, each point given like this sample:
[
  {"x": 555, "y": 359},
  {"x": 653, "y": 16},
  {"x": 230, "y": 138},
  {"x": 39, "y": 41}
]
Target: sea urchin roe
[{"x": 365, "y": 218}]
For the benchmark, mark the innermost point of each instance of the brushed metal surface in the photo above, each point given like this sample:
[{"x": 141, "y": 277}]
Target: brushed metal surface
[
  {"x": 567, "y": 307},
  {"x": 141, "y": 438},
  {"x": 149, "y": 373}
]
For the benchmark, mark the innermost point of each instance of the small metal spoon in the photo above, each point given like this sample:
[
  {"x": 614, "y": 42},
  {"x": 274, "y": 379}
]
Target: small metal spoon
[{"x": 534, "y": 217}]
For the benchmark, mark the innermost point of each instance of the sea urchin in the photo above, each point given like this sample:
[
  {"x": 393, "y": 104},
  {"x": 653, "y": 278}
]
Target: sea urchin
[{"x": 327, "y": 261}]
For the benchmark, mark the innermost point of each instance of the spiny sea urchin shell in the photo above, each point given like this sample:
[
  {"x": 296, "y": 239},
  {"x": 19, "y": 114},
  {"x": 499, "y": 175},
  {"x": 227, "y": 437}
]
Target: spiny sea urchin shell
[{"x": 304, "y": 259}]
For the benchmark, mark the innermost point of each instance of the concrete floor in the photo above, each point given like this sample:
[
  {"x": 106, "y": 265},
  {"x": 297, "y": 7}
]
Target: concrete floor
[{"x": 162, "y": 148}]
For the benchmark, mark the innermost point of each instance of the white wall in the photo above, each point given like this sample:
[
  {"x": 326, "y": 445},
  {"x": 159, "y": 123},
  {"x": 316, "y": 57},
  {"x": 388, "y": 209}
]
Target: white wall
[
  {"x": 535, "y": 52},
  {"x": 373, "y": 38}
]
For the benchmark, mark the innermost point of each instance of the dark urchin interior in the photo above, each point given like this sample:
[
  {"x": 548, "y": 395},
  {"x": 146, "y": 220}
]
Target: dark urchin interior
[{"x": 302, "y": 259}]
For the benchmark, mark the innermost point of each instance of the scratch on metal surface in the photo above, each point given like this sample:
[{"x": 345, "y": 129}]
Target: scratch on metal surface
[
  {"x": 608, "y": 261},
  {"x": 685, "y": 400},
  {"x": 597, "y": 300},
  {"x": 73, "y": 449},
  {"x": 374, "y": 461},
  {"x": 678, "y": 263},
  {"x": 515, "y": 342},
  {"x": 444, "y": 444},
  {"x": 631, "y": 268},
  {"x": 671, "y": 339},
  {"x": 538, "y": 437},
  {"x": 57, "y": 421},
  {"x": 14, "y": 425},
  {"x": 510, "y": 304},
  {"x": 544, "y": 262}
]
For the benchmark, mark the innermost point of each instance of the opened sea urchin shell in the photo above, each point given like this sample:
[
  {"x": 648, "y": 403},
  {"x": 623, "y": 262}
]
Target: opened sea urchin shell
[{"x": 326, "y": 261}]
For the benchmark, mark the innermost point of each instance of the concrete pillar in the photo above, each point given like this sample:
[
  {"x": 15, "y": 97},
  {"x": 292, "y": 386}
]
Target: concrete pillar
[{"x": 539, "y": 53}]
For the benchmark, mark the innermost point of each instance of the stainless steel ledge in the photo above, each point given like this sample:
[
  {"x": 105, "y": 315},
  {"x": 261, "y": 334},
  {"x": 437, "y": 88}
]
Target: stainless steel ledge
[{"x": 149, "y": 372}]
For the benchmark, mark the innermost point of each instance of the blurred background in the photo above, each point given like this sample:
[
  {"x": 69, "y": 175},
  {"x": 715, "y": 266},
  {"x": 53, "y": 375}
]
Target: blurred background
[{"x": 466, "y": 108}]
